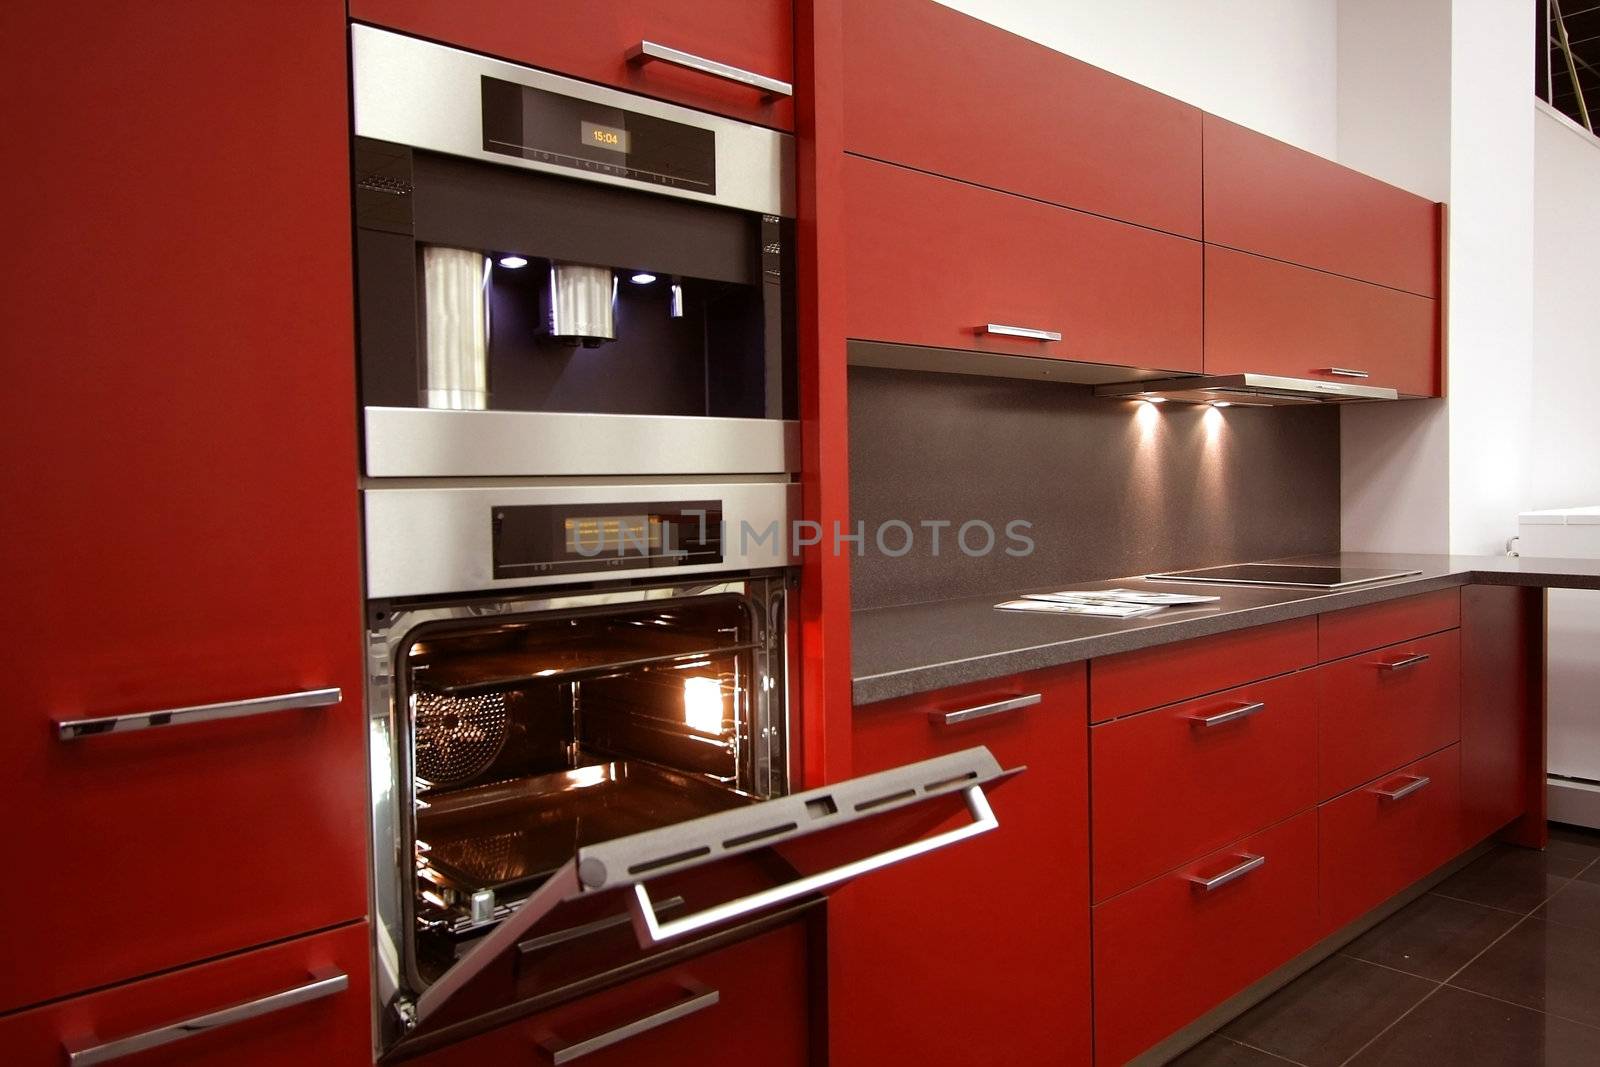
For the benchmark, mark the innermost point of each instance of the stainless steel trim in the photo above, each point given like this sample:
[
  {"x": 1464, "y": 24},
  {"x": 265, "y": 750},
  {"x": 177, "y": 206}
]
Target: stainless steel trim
[
  {"x": 86, "y": 1051},
  {"x": 428, "y": 96},
  {"x": 696, "y": 998},
  {"x": 72, "y": 729},
  {"x": 573, "y": 933},
  {"x": 440, "y": 540},
  {"x": 1247, "y": 390},
  {"x": 1245, "y": 865},
  {"x": 646, "y": 51},
  {"x": 424, "y": 443},
  {"x": 1345, "y": 372},
  {"x": 950, "y": 718},
  {"x": 1418, "y": 782},
  {"x": 1233, "y": 714},
  {"x": 1400, "y": 664},
  {"x": 650, "y": 930},
  {"x": 1027, "y": 332}
]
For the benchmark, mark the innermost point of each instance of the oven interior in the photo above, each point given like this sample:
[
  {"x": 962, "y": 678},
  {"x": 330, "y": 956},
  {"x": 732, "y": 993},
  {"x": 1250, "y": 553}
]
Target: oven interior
[{"x": 534, "y": 735}]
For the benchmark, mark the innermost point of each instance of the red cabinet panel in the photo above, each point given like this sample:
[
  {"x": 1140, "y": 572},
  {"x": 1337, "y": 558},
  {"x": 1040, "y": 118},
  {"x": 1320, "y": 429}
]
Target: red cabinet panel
[
  {"x": 1380, "y": 709},
  {"x": 1150, "y": 677},
  {"x": 592, "y": 41},
  {"x": 334, "y": 1028},
  {"x": 1264, "y": 196},
  {"x": 929, "y": 955},
  {"x": 1375, "y": 843},
  {"x": 741, "y": 1006},
  {"x": 1277, "y": 318},
  {"x": 944, "y": 92},
  {"x": 1502, "y": 705},
  {"x": 929, "y": 260},
  {"x": 1170, "y": 785},
  {"x": 1344, "y": 633},
  {"x": 184, "y": 530},
  {"x": 1169, "y": 951}
]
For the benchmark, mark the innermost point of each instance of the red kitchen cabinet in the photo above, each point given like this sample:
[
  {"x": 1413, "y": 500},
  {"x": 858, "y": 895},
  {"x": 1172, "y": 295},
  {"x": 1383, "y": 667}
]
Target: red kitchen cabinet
[
  {"x": 1382, "y": 837},
  {"x": 746, "y": 1005},
  {"x": 1133, "y": 681},
  {"x": 595, "y": 41},
  {"x": 182, "y": 512},
  {"x": 1502, "y": 706},
  {"x": 1169, "y": 951},
  {"x": 943, "y": 92},
  {"x": 1378, "y": 710},
  {"x": 981, "y": 949},
  {"x": 1267, "y": 197},
  {"x": 934, "y": 262},
  {"x": 302, "y": 1001},
  {"x": 1344, "y": 633},
  {"x": 1269, "y": 317},
  {"x": 1175, "y": 783}
]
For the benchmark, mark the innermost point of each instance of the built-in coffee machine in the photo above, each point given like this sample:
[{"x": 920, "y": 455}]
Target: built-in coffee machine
[{"x": 581, "y": 461}]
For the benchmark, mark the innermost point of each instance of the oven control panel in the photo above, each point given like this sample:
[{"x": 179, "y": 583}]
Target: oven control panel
[{"x": 540, "y": 540}]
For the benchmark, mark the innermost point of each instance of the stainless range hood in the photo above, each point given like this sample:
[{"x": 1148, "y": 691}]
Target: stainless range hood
[{"x": 1247, "y": 390}]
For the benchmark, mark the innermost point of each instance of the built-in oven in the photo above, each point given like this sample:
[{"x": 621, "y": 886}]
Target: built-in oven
[{"x": 557, "y": 278}]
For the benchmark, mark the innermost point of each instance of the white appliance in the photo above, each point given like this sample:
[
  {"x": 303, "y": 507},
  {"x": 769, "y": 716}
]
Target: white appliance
[{"x": 1573, "y": 664}]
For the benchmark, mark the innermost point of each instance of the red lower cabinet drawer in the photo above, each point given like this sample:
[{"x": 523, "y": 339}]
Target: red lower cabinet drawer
[
  {"x": 1205, "y": 771},
  {"x": 1172, "y": 949},
  {"x": 1344, "y": 633},
  {"x": 302, "y": 1001},
  {"x": 1382, "y": 709},
  {"x": 740, "y": 1006},
  {"x": 1380, "y": 838}
]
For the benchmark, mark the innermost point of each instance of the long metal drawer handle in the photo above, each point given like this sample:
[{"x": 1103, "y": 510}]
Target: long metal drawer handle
[
  {"x": 1232, "y": 874},
  {"x": 650, "y": 930},
  {"x": 1233, "y": 714},
  {"x": 82, "y": 1053},
  {"x": 1401, "y": 664},
  {"x": 950, "y": 718},
  {"x": 1417, "y": 782},
  {"x": 648, "y": 51},
  {"x": 696, "y": 998},
  {"x": 1018, "y": 331},
  {"x": 72, "y": 729},
  {"x": 1345, "y": 372}
]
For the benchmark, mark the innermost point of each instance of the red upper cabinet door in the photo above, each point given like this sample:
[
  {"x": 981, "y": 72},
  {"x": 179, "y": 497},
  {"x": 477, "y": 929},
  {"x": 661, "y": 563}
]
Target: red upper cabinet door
[
  {"x": 597, "y": 40},
  {"x": 978, "y": 952},
  {"x": 935, "y": 262},
  {"x": 1276, "y": 318},
  {"x": 940, "y": 91},
  {"x": 182, "y": 524},
  {"x": 1264, "y": 196}
]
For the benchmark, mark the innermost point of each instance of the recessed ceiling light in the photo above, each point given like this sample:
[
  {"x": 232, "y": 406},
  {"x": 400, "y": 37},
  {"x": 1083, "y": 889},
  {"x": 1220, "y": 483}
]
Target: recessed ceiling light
[
  {"x": 642, "y": 278},
  {"x": 513, "y": 262}
]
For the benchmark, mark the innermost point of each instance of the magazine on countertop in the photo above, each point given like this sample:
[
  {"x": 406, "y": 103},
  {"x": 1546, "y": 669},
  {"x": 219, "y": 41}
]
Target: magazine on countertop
[
  {"x": 1122, "y": 596},
  {"x": 1102, "y": 609}
]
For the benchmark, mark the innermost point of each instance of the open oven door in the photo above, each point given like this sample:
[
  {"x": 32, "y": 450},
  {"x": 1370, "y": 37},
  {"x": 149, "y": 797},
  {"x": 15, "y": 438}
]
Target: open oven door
[{"x": 805, "y": 843}]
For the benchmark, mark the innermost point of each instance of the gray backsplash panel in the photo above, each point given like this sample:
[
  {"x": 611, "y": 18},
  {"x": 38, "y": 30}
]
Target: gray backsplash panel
[{"x": 1111, "y": 487}]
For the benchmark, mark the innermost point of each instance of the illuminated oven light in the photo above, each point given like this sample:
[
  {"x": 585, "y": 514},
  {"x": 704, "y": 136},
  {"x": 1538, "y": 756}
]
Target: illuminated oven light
[
  {"x": 513, "y": 262},
  {"x": 1221, "y": 404},
  {"x": 642, "y": 278},
  {"x": 702, "y": 705}
]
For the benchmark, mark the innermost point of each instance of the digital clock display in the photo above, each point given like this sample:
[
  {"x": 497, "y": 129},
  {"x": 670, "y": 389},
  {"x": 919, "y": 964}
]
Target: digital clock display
[{"x": 609, "y": 137}]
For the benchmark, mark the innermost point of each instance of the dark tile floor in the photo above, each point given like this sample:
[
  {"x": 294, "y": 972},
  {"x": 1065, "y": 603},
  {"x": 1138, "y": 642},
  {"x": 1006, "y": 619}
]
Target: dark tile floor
[{"x": 1499, "y": 966}]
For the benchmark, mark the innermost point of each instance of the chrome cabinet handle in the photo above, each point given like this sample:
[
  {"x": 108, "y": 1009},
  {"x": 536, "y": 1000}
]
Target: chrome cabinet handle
[
  {"x": 1345, "y": 372},
  {"x": 1402, "y": 664},
  {"x": 650, "y": 930},
  {"x": 1233, "y": 714},
  {"x": 648, "y": 51},
  {"x": 72, "y": 729},
  {"x": 86, "y": 1051},
  {"x": 950, "y": 718},
  {"x": 696, "y": 998},
  {"x": 1417, "y": 782},
  {"x": 1245, "y": 865},
  {"x": 1027, "y": 332}
]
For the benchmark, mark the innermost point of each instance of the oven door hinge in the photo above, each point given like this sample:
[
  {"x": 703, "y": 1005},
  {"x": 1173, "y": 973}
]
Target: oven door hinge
[{"x": 406, "y": 1010}]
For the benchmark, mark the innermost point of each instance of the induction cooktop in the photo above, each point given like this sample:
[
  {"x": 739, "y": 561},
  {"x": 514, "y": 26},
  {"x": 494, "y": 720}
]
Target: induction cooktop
[{"x": 1301, "y": 576}]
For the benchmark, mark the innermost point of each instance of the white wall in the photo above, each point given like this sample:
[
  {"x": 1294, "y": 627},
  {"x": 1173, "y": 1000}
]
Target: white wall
[
  {"x": 1266, "y": 64},
  {"x": 1564, "y": 458}
]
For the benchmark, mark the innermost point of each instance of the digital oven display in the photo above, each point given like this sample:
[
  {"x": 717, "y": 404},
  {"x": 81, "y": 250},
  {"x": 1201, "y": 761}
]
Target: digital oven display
[
  {"x": 538, "y": 540},
  {"x": 612, "y": 535}
]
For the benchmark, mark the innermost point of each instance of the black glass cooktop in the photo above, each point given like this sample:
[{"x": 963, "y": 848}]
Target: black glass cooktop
[{"x": 1284, "y": 574}]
